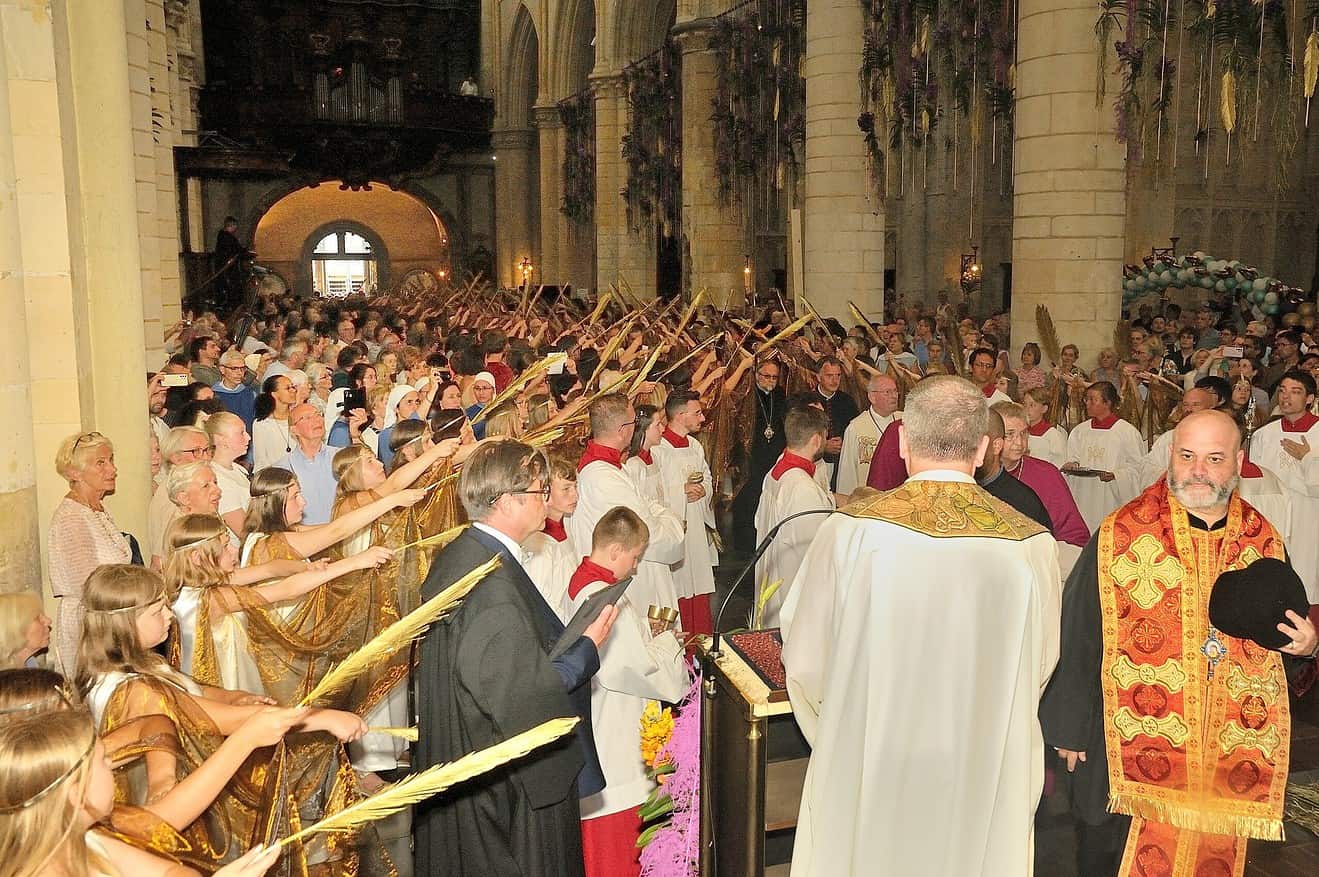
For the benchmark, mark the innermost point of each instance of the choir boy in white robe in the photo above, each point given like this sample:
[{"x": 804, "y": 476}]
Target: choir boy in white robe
[
  {"x": 862, "y": 434},
  {"x": 639, "y": 662},
  {"x": 602, "y": 484},
  {"x": 1107, "y": 444},
  {"x": 918, "y": 639},
  {"x": 1047, "y": 442},
  {"x": 688, "y": 487},
  {"x": 789, "y": 488},
  {"x": 1284, "y": 446},
  {"x": 551, "y": 556}
]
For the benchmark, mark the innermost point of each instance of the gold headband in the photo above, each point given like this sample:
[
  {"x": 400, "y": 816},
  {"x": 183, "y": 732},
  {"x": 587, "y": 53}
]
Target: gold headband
[
  {"x": 202, "y": 541},
  {"x": 55, "y": 783},
  {"x": 159, "y": 598}
]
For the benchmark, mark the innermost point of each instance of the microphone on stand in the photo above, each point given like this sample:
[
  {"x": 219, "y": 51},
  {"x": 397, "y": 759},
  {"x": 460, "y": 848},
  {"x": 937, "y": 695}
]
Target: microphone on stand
[{"x": 751, "y": 565}]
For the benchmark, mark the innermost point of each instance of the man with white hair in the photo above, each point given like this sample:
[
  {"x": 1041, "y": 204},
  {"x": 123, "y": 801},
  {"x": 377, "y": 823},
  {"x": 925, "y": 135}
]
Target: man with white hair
[
  {"x": 917, "y": 638},
  {"x": 292, "y": 356},
  {"x": 311, "y": 460},
  {"x": 232, "y": 390},
  {"x": 1150, "y": 700},
  {"x": 862, "y": 434}
]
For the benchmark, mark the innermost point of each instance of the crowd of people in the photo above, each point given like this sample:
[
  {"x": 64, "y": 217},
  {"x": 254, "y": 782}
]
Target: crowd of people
[{"x": 313, "y": 461}]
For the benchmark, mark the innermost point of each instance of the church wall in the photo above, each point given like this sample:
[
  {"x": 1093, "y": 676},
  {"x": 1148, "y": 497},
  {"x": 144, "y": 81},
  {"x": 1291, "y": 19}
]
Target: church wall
[{"x": 410, "y": 234}]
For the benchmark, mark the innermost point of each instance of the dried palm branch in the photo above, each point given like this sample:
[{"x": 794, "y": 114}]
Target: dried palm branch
[
  {"x": 787, "y": 332},
  {"x": 1048, "y": 334},
  {"x": 398, "y": 635},
  {"x": 520, "y": 383},
  {"x": 1122, "y": 339},
  {"x": 645, "y": 369},
  {"x": 861, "y": 318},
  {"x": 952, "y": 345},
  {"x": 432, "y": 781},
  {"x": 689, "y": 313},
  {"x": 439, "y": 540},
  {"x": 704, "y": 345},
  {"x": 408, "y": 734},
  {"x": 611, "y": 349}
]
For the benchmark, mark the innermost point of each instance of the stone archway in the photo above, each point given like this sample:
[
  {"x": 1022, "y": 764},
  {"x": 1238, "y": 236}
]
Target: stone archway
[{"x": 517, "y": 168}]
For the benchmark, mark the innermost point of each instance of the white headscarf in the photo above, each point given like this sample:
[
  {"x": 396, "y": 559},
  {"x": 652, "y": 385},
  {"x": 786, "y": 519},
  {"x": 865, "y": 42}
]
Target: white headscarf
[
  {"x": 486, "y": 377},
  {"x": 395, "y": 396},
  {"x": 334, "y": 407}
]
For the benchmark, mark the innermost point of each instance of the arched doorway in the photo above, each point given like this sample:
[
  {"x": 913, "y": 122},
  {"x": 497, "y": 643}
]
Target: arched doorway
[
  {"x": 368, "y": 239},
  {"x": 343, "y": 261}
]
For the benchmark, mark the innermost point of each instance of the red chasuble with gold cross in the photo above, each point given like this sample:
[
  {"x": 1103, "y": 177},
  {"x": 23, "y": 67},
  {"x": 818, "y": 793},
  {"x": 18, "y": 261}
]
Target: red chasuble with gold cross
[{"x": 1196, "y": 727}]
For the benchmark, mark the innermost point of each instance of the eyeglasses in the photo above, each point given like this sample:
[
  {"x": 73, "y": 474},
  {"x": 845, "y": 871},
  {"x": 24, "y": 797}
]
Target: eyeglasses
[
  {"x": 198, "y": 452},
  {"x": 765, "y": 377},
  {"x": 86, "y": 437},
  {"x": 543, "y": 493}
]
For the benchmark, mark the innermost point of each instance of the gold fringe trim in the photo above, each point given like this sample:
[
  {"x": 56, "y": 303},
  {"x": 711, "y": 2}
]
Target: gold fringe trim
[{"x": 1179, "y": 816}]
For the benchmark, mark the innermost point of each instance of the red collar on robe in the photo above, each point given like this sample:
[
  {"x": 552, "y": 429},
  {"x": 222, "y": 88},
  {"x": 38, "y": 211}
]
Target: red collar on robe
[
  {"x": 1040, "y": 428},
  {"x": 791, "y": 461},
  {"x": 555, "y": 530},
  {"x": 595, "y": 451},
  {"x": 1103, "y": 423},
  {"x": 1302, "y": 424},
  {"x": 989, "y": 389},
  {"x": 678, "y": 441},
  {"x": 646, "y": 457},
  {"x": 1250, "y": 470},
  {"x": 588, "y": 572}
]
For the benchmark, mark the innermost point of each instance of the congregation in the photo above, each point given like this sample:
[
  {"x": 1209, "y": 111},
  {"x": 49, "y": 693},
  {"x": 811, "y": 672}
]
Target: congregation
[{"x": 487, "y": 461}]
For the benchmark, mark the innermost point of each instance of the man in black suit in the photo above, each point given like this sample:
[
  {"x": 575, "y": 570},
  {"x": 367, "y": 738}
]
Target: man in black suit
[
  {"x": 486, "y": 675},
  {"x": 840, "y": 408}
]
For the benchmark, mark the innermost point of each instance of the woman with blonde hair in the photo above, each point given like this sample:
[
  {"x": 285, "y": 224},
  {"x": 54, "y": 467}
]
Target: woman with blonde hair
[
  {"x": 56, "y": 793},
  {"x": 122, "y": 679},
  {"x": 82, "y": 534},
  {"x": 209, "y": 590},
  {"x": 24, "y": 629}
]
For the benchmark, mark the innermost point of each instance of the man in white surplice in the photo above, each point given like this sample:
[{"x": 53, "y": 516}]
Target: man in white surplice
[
  {"x": 862, "y": 434},
  {"x": 918, "y": 637},
  {"x": 791, "y": 487},
  {"x": 687, "y": 488},
  {"x": 1101, "y": 447}
]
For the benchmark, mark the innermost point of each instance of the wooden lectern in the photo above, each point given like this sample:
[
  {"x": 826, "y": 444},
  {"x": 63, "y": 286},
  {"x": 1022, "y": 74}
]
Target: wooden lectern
[{"x": 753, "y": 759}]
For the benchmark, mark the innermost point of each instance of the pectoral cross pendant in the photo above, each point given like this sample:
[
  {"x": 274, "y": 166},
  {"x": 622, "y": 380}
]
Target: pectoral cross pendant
[
  {"x": 1214, "y": 650},
  {"x": 769, "y": 433}
]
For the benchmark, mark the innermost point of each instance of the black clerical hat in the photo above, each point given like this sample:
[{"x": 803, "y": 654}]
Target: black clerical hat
[{"x": 1250, "y": 603}]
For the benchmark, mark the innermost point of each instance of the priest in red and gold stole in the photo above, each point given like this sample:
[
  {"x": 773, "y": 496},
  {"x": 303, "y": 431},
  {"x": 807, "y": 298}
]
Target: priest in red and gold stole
[{"x": 1177, "y": 732}]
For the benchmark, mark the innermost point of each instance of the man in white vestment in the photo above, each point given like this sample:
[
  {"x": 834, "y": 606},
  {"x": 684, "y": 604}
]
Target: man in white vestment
[
  {"x": 1283, "y": 447},
  {"x": 687, "y": 488},
  {"x": 602, "y": 484},
  {"x": 862, "y": 434},
  {"x": 791, "y": 487},
  {"x": 918, "y": 638},
  {"x": 1097, "y": 449}
]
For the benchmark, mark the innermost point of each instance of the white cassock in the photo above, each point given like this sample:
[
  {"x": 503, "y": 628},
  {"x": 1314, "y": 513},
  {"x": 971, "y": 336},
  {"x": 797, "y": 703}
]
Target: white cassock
[
  {"x": 915, "y": 663},
  {"x": 794, "y": 490},
  {"x": 1149, "y": 468},
  {"x": 602, "y": 486},
  {"x": 549, "y": 564},
  {"x": 1262, "y": 489},
  {"x": 694, "y": 574},
  {"x": 634, "y": 667},
  {"x": 1113, "y": 449},
  {"x": 859, "y": 441},
  {"x": 1266, "y": 451},
  {"x": 1050, "y": 445}
]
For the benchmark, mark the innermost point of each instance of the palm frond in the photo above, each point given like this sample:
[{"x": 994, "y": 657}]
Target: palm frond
[
  {"x": 1048, "y": 334},
  {"x": 432, "y": 781},
  {"x": 398, "y": 635},
  {"x": 520, "y": 383},
  {"x": 439, "y": 540},
  {"x": 409, "y": 734},
  {"x": 788, "y": 331}
]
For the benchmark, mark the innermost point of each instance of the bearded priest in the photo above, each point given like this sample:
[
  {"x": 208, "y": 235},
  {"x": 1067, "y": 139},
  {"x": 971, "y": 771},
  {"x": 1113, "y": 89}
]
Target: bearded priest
[
  {"x": 1177, "y": 733},
  {"x": 920, "y": 701}
]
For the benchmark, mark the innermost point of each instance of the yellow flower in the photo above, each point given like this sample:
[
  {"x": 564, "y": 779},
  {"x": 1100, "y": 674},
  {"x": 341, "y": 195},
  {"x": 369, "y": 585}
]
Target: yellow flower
[{"x": 656, "y": 730}]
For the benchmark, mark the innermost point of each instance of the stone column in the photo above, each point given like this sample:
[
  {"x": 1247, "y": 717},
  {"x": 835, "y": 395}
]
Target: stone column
[
  {"x": 619, "y": 251},
  {"x": 20, "y": 560},
  {"x": 715, "y": 237},
  {"x": 1069, "y": 187},
  {"x": 844, "y": 222},
  {"x": 515, "y": 202},
  {"x": 549, "y": 133},
  {"x": 93, "y": 50}
]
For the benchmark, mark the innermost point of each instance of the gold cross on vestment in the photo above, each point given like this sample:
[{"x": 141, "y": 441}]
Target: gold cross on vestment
[{"x": 1151, "y": 578}]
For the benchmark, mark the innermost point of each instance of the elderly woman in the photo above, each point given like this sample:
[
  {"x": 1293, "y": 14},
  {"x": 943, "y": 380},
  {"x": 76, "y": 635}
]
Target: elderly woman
[
  {"x": 192, "y": 490},
  {"x": 82, "y": 534},
  {"x": 320, "y": 376},
  {"x": 24, "y": 629}
]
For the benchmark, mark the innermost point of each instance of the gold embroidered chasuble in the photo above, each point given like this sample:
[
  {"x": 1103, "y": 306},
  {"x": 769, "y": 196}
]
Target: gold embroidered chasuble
[{"x": 1196, "y": 728}]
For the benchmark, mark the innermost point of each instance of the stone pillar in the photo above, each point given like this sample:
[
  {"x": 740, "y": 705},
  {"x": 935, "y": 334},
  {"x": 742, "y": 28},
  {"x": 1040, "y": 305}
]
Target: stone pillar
[
  {"x": 93, "y": 50},
  {"x": 20, "y": 560},
  {"x": 553, "y": 224},
  {"x": 1069, "y": 187},
  {"x": 844, "y": 223},
  {"x": 619, "y": 252},
  {"x": 716, "y": 240},
  {"x": 515, "y": 203}
]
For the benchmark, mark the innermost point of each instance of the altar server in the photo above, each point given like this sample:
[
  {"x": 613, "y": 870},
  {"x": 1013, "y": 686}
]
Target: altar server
[
  {"x": 688, "y": 488},
  {"x": 1099, "y": 448}
]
